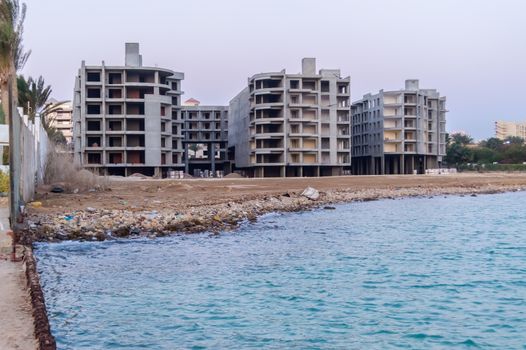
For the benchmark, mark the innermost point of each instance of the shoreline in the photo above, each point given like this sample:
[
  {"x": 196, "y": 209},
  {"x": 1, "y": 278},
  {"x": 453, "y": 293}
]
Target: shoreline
[{"x": 98, "y": 224}]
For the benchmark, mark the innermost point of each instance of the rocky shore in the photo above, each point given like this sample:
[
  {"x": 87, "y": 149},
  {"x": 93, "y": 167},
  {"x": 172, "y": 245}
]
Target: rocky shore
[{"x": 99, "y": 223}]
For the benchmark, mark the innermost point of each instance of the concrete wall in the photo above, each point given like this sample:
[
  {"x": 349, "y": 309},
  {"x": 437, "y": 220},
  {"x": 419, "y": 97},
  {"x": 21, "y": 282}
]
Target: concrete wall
[
  {"x": 35, "y": 146},
  {"x": 238, "y": 128},
  {"x": 152, "y": 128},
  {"x": 29, "y": 146}
]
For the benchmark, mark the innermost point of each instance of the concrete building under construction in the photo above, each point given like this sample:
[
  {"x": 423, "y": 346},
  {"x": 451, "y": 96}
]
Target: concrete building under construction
[
  {"x": 399, "y": 132},
  {"x": 205, "y": 137},
  {"x": 292, "y": 124},
  {"x": 127, "y": 119}
]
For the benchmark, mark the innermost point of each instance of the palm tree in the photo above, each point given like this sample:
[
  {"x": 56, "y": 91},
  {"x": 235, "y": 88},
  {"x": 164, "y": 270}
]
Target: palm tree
[
  {"x": 12, "y": 54},
  {"x": 32, "y": 95}
]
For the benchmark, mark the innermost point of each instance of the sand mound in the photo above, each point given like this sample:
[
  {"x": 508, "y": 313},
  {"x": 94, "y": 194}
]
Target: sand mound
[
  {"x": 233, "y": 176},
  {"x": 139, "y": 175}
]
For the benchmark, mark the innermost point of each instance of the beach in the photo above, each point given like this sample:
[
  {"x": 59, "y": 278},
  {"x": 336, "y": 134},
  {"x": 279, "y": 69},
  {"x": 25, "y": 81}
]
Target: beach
[{"x": 144, "y": 207}]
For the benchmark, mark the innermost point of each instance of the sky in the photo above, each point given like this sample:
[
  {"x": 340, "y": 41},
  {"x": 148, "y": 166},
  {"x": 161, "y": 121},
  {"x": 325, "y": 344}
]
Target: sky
[{"x": 471, "y": 51}]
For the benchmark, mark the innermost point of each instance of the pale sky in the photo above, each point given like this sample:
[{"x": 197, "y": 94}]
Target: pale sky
[{"x": 472, "y": 51}]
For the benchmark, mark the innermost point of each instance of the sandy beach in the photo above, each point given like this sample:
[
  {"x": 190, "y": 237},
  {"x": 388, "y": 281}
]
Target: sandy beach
[{"x": 159, "y": 207}]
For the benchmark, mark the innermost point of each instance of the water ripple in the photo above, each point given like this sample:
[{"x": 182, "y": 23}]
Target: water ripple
[{"x": 410, "y": 274}]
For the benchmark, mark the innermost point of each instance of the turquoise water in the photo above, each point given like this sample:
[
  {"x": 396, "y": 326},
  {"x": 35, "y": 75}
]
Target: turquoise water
[{"x": 441, "y": 273}]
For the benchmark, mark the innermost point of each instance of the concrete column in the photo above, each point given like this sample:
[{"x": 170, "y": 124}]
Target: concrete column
[
  {"x": 186, "y": 165},
  {"x": 211, "y": 153},
  {"x": 402, "y": 164}
]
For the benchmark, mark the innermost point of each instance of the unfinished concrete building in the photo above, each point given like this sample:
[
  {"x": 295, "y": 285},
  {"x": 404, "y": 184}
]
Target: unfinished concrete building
[
  {"x": 205, "y": 137},
  {"x": 127, "y": 119},
  {"x": 292, "y": 124},
  {"x": 399, "y": 132}
]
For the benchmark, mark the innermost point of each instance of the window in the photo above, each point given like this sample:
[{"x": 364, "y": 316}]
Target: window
[
  {"x": 93, "y": 93},
  {"x": 93, "y": 109},
  {"x": 325, "y": 86},
  {"x": 93, "y": 76}
]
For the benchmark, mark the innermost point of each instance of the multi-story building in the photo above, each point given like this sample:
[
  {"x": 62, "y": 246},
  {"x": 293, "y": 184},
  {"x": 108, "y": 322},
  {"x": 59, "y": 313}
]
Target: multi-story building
[
  {"x": 505, "y": 129},
  {"x": 127, "y": 119},
  {"x": 205, "y": 137},
  {"x": 399, "y": 132},
  {"x": 61, "y": 119},
  {"x": 292, "y": 124}
]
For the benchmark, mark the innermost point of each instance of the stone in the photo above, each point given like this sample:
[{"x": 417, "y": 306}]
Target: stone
[
  {"x": 91, "y": 209},
  {"x": 311, "y": 193},
  {"x": 122, "y": 231}
]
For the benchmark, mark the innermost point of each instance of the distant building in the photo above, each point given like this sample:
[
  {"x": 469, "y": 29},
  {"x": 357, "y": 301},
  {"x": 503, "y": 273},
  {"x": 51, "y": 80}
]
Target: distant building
[
  {"x": 505, "y": 129},
  {"x": 292, "y": 124},
  {"x": 191, "y": 102},
  {"x": 205, "y": 137},
  {"x": 62, "y": 120},
  {"x": 399, "y": 132},
  {"x": 127, "y": 119}
]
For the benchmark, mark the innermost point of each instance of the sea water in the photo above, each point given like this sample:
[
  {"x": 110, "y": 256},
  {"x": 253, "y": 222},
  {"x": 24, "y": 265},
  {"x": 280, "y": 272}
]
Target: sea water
[{"x": 442, "y": 273}]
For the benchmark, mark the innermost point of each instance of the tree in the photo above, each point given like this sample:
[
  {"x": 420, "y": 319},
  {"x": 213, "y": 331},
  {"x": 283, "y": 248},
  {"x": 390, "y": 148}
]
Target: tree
[
  {"x": 513, "y": 140},
  {"x": 485, "y": 155},
  {"x": 458, "y": 154},
  {"x": 457, "y": 151},
  {"x": 492, "y": 143},
  {"x": 32, "y": 95},
  {"x": 514, "y": 154},
  {"x": 12, "y": 54},
  {"x": 461, "y": 139}
]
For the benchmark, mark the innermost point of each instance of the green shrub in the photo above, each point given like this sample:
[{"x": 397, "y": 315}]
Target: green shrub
[{"x": 4, "y": 182}]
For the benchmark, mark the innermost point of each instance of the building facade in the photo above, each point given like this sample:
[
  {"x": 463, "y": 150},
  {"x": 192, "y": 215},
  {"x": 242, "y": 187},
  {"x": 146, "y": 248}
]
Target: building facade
[
  {"x": 292, "y": 124},
  {"x": 505, "y": 129},
  {"x": 127, "y": 119},
  {"x": 399, "y": 132},
  {"x": 62, "y": 120},
  {"x": 205, "y": 138}
]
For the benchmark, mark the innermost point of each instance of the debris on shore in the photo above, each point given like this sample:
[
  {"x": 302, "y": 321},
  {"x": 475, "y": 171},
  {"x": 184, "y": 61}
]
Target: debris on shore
[{"x": 99, "y": 223}]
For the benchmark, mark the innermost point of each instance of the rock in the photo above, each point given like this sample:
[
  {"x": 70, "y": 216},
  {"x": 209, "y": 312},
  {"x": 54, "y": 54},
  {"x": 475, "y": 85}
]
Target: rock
[
  {"x": 122, "y": 231},
  {"x": 473, "y": 195},
  {"x": 311, "y": 193},
  {"x": 91, "y": 209},
  {"x": 329, "y": 208}
]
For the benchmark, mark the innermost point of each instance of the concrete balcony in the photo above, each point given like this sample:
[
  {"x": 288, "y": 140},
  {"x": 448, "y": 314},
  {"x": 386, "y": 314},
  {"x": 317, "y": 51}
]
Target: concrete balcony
[
  {"x": 268, "y": 150},
  {"x": 262, "y": 136},
  {"x": 393, "y": 116}
]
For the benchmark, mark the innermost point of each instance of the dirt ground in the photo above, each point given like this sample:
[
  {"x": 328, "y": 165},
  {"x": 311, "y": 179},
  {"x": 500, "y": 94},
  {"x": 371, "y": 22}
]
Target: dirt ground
[{"x": 146, "y": 194}]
